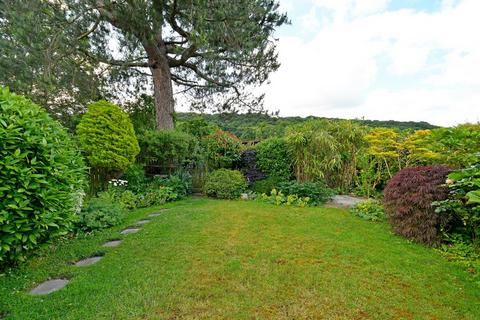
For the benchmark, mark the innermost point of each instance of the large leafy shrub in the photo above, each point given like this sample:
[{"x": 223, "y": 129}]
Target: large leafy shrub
[
  {"x": 464, "y": 202},
  {"x": 169, "y": 148},
  {"x": 41, "y": 177},
  {"x": 317, "y": 192},
  {"x": 274, "y": 158},
  {"x": 107, "y": 137},
  {"x": 100, "y": 213},
  {"x": 408, "y": 203},
  {"x": 225, "y": 184},
  {"x": 223, "y": 149}
]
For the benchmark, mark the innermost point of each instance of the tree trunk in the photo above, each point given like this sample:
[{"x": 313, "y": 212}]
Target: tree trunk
[{"x": 162, "y": 89}]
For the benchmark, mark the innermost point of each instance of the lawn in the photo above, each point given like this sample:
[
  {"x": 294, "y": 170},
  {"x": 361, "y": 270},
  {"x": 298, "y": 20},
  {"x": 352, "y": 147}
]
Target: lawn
[{"x": 208, "y": 259}]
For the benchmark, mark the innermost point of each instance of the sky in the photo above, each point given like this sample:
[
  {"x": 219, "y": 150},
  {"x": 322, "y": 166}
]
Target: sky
[{"x": 403, "y": 60}]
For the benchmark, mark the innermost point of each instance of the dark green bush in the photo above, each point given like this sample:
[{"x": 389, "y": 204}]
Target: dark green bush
[
  {"x": 225, "y": 184},
  {"x": 266, "y": 185},
  {"x": 370, "y": 209},
  {"x": 274, "y": 158},
  {"x": 223, "y": 149},
  {"x": 180, "y": 183},
  {"x": 107, "y": 137},
  {"x": 135, "y": 177},
  {"x": 463, "y": 203},
  {"x": 316, "y": 191},
  {"x": 169, "y": 148},
  {"x": 41, "y": 178},
  {"x": 99, "y": 213}
]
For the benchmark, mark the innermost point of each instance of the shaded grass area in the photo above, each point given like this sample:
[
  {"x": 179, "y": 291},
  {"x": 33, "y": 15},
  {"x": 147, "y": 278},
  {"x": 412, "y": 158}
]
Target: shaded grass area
[{"x": 207, "y": 259}]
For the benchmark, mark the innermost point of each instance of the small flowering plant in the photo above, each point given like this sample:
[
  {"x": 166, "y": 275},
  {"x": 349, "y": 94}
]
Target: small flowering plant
[{"x": 118, "y": 183}]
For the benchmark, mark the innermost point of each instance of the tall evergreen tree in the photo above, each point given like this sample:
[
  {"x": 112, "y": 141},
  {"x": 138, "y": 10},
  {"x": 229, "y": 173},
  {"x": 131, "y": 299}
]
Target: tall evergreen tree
[{"x": 213, "y": 50}]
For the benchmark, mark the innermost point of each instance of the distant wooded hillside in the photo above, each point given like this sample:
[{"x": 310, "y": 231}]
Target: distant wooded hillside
[{"x": 251, "y": 126}]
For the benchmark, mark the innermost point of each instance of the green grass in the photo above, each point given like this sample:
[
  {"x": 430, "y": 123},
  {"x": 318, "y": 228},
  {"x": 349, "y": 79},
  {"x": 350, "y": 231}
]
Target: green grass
[{"x": 207, "y": 259}]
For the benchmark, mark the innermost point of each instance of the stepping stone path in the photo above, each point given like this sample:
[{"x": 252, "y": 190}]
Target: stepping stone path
[
  {"x": 49, "y": 286},
  {"x": 157, "y": 214},
  {"x": 153, "y": 215},
  {"x": 130, "y": 230},
  {"x": 112, "y": 243},
  {"x": 88, "y": 261},
  {"x": 343, "y": 201},
  {"x": 57, "y": 284}
]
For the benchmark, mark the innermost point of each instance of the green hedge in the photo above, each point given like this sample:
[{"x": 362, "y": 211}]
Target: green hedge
[{"x": 41, "y": 180}]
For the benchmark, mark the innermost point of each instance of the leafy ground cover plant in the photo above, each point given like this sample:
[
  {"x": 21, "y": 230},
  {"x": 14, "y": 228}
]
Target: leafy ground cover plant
[
  {"x": 100, "y": 213},
  {"x": 370, "y": 209},
  {"x": 225, "y": 184},
  {"x": 278, "y": 198},
  {"x": 317, "y": 192},
  {"x": 408, "y": 203},
  {"x": 42, "y": 176}
]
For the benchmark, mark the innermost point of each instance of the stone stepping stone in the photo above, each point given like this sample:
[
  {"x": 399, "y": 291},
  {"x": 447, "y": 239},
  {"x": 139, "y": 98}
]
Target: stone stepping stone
[
  {"x": 49, "y": 286},
  {"x": 154, "y": 215},
  {"x": 130, "y": 230},
  {"x": 142, "y": 222},
  {"x": 88, "y": 261},
  {"x": 112, "y": 243},
  {"x": 344, "y": 201}
]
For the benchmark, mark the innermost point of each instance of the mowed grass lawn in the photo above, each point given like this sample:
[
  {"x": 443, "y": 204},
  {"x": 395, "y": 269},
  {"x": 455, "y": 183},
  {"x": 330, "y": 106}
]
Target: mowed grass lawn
[{"x": 207, "y": 259}]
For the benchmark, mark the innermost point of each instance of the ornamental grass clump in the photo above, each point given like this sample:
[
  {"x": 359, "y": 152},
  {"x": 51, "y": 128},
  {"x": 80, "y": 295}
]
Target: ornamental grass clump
[
  {"x": 408, "y": 203},
  {"x": 42, "y": 178}
]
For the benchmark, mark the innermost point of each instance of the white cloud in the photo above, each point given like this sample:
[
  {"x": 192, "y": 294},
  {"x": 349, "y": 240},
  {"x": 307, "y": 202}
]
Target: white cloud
[
  {"x": 310, "y": 21},
  {"x": 356, "y": 65},
  {"x": 344, "y": 8}
]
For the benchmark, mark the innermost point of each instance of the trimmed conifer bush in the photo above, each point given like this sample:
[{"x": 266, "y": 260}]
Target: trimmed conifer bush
[
  {"x": 41, "y": 178},
  {"x": 408, "y": 203},
  {"x": 107, "y": 137}
]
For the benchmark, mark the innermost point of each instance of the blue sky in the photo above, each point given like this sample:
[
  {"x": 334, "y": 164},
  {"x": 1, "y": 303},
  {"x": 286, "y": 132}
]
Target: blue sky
[{"x": 379, "y": 59}]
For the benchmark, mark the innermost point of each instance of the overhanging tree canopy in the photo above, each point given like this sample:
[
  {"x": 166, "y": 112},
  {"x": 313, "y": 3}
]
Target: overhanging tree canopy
[{"x": 212, "y": 49}]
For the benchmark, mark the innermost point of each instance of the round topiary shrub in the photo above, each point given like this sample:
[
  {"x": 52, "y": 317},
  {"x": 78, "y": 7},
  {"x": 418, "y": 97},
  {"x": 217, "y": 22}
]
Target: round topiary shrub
[
  {"x": 41, "y": 181},
  {"x": 223, "y": 149},
  {"x": 107, "y": 137},
  {"x": 225, "y": 184},
  {"x": 274, "y": 158},
  {"x": 408, "y": 202}
]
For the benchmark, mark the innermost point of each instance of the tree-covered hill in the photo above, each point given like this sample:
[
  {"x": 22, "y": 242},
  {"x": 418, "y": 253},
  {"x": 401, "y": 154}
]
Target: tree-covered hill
[{"x": 251, "y": 126}]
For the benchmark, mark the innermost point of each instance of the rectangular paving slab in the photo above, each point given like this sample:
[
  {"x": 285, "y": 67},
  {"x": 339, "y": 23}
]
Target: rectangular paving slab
[
  {"x": 88, "y": 261},
  {"x": 112, "y": 243},
  {"x": 130, "y": 230},
  {"x": 49, "y": 286},
  {"x": 141, "y": 222}
]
